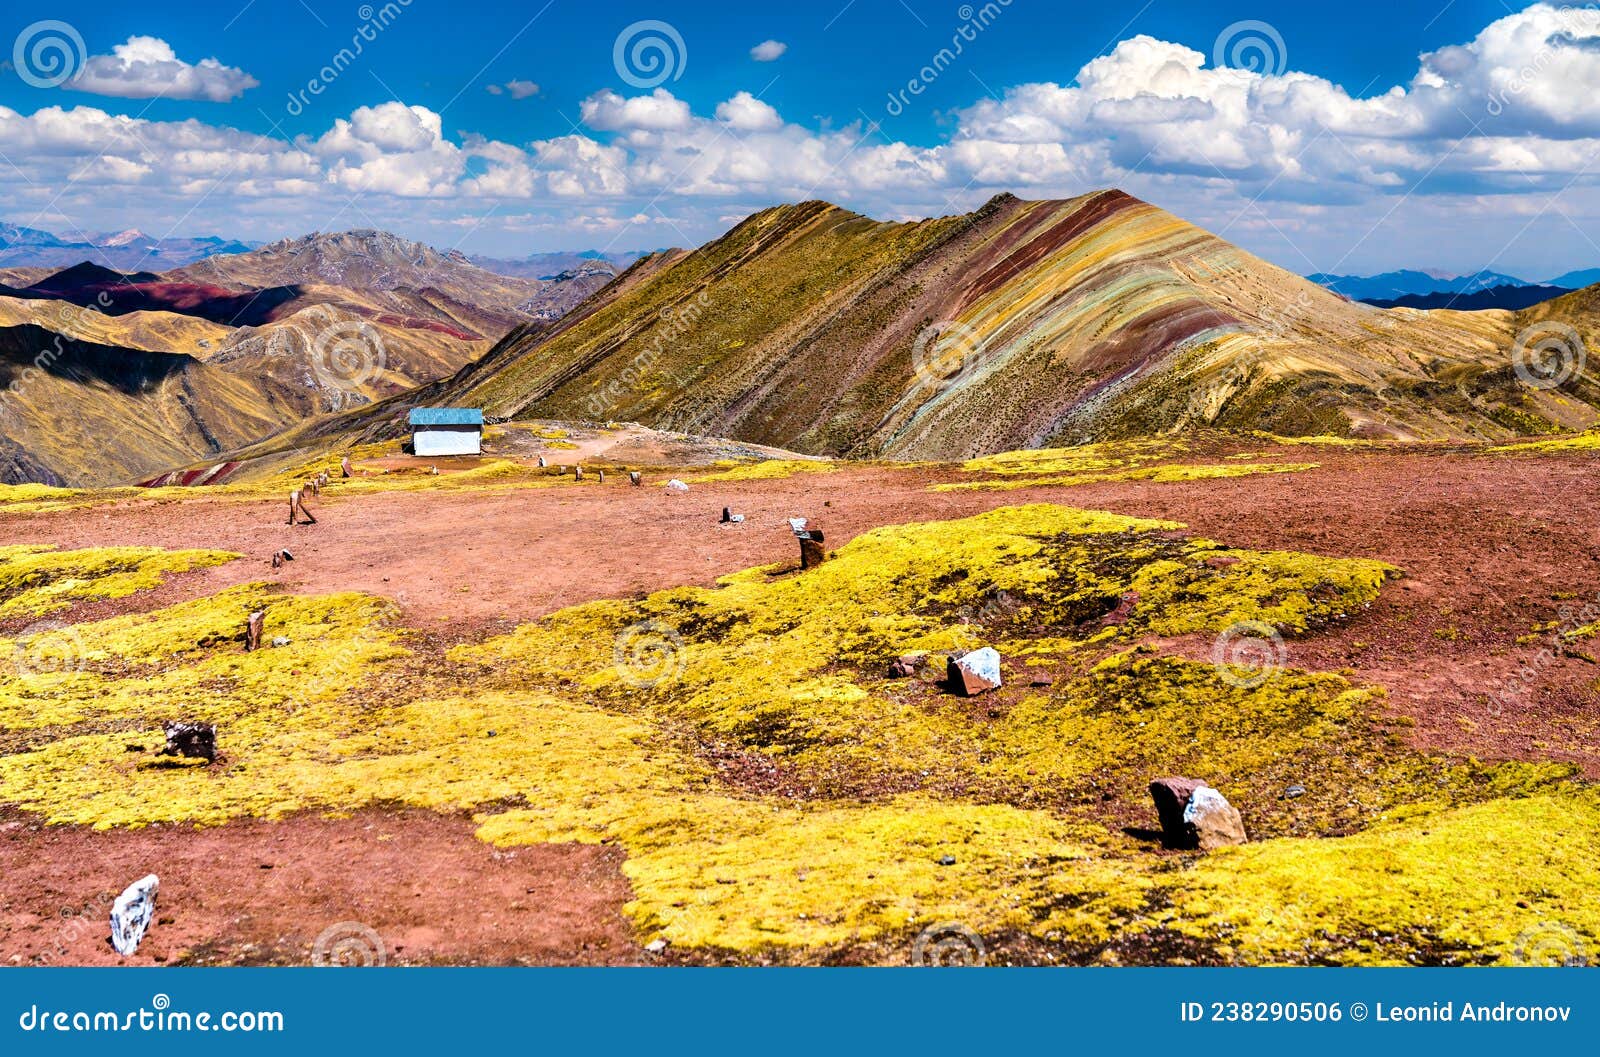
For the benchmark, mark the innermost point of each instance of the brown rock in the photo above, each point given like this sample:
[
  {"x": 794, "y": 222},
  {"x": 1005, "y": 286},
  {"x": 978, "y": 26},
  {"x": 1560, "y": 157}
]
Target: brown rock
[
  {"x": 1171, "y": 796},
  {"x": 812, "y": 552},
  {"x": 903, "y": 667}
]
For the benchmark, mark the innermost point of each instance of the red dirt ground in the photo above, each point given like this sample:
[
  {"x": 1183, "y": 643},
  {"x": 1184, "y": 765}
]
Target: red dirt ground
[
  {"x": 263, "y": 892},
  {"x": 1491, "y": 546}
]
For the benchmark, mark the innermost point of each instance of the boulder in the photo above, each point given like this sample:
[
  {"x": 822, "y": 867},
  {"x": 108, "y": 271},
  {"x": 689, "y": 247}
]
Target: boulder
[
  {"x": 132, "y": 913},
  {"x": 195, "y": 741},
  {"x": 1211, "y": 821},
  {"x": 975, "y": 672},
  {"x": 676, "y": 485},
  {"x": 1194, "y": 815}
]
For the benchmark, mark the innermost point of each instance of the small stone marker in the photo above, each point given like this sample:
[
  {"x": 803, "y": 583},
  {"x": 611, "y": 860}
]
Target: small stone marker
[
  {"x": 600, "y": 475},
  {"x": 344, "y": 466},
  {"x": 974, "y": 673},
  {"x": 542, "y": 462},
  {"x": 252, "y": 630},
  {"x": 677, "y": 485},
  {"x": 812, "y": 552},
  {"x": 193, "y": 741},
  {"x": 730, "y": 518},
  {"x": 577, "y": 473},
  {"x": 635, "y": 478},
  {"x": 132, "y": 913}
]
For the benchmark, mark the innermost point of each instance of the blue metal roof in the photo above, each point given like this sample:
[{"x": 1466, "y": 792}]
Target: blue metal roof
[{"x": 446, "y": 416}]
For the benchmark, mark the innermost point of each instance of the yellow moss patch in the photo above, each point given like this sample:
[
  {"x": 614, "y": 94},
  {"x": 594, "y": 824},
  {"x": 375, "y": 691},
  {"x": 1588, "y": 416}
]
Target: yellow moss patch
[
  {"x": 766, "y": 470},
  {"x": 1471, "y": 884},
  {"x": 1580, "y": 442},
  {"x": 1178, "y": 472},
  {"x": 188, "y": 662},
  {"x": 38, "y": 580}
]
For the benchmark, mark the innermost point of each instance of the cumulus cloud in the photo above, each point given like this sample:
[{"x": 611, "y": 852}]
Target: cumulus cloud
[
  {"x": 1513, "y": 112},
  {"x": 147, "y": 67},
  {"x": 745, "y": 113},
  {"x": 768, "y": 51}
]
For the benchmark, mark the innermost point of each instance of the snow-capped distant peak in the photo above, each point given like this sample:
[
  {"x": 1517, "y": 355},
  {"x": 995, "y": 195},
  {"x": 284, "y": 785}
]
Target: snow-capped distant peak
[{"x": 125, "y": 238}]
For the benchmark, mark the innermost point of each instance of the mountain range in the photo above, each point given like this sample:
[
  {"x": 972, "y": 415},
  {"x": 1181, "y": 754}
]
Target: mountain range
[
  {"x": 1425, "y": 289},
  {"x": 807, "y": 327},
  {"x": 112, "y": 374},
  {"x": 1023, "y": 324},
  {"x": 22, "y": 247}
]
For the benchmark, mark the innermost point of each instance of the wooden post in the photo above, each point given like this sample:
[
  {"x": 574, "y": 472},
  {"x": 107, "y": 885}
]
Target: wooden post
[{"x": 252, "y": 630}]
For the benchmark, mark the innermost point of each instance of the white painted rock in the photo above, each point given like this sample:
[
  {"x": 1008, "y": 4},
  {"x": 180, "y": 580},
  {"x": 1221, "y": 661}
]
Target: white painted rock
[
  {"x": 132, "y": 913},
  {"x": 1213, "y": 822},
  {"x": 677, "y": 485},
  {"x": 977, "y": 671}
]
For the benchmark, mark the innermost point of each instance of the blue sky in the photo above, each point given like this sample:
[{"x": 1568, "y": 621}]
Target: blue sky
[{"x": 1324, "y": 142}]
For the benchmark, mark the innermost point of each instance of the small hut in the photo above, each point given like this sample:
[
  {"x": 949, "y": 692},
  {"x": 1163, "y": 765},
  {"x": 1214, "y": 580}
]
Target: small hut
[{"x": 446, "y": 431}]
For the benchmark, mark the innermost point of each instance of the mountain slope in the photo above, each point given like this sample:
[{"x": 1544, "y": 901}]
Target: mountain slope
[
  {"x": 75, "y": 412},
  {"x": 1023, "y": 324}
]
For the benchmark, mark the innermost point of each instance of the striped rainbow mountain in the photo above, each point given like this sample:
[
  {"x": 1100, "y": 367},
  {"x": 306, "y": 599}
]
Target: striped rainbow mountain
[{"x": 1021, "y": 324}]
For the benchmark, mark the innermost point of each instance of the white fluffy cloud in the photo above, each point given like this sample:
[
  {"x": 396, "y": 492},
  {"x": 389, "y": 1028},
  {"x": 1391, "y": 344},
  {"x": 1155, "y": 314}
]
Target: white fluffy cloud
[
  {"x": 1504, "y": 128},
  {"x": 147, "y": 67},
  {"x": 769, "y": 51}
]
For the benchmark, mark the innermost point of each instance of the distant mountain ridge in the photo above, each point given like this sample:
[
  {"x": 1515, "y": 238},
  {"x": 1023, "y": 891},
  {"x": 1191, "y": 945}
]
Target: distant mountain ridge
[
  {"x": 237, "y": 347},
  {"x": 23, "y": 247},
  {"x": 1409, "y": 288}
]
